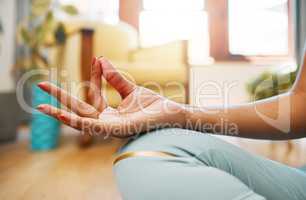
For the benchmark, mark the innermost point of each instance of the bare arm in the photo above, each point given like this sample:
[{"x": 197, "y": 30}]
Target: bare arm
[
  {"x": 141, "y": 110},
  {"x": 278, "y": 118}
]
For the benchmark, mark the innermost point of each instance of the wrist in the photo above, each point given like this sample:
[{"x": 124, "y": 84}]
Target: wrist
[
  {"x": 185, "y": 115},
  {"x": 174, "y": 116}
]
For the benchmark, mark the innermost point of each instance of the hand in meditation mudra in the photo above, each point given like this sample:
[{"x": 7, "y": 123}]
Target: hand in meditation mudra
[{"x": 140, "y": 110}]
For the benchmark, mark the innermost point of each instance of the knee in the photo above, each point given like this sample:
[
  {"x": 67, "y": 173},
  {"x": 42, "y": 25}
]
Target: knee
[
  {"x": 159, "y": 140},
  {"x": 192, "y": 148},
  {"x": 176, "y": 141},
  {"x": 208, "y": 149},
  {"x": 126, "y": 175},
  {"x": 140, "y": 178},
  {"x": 160, "y": 178}
]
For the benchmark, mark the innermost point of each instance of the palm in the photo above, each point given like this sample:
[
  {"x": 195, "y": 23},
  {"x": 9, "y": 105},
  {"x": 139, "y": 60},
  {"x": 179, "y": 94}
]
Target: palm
[
  {"x": 139, "y": 106},
  {"x": 140, "y": 100}
]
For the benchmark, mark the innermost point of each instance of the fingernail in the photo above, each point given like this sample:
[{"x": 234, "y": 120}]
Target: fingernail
[
  {"x": 42, "y": 85},
  {"x": 93, "y": 61},
  {"x": 41, "y": 107},
  {"x": 63, "y": 118}
]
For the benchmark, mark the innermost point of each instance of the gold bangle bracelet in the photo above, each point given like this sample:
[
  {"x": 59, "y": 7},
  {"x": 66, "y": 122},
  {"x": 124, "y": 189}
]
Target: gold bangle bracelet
[{"x": 142, "y": 154}]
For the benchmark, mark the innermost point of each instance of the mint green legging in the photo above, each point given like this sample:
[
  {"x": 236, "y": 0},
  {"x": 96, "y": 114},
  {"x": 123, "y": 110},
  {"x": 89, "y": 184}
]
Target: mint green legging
[{"x": 205, "y": 167}]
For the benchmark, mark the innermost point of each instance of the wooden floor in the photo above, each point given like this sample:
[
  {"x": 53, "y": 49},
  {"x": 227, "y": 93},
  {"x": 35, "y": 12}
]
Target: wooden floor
[{"x": 70, "y": 172}]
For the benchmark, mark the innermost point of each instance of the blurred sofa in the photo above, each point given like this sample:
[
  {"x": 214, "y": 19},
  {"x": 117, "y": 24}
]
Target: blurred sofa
[{"x": 161, "y": 68}]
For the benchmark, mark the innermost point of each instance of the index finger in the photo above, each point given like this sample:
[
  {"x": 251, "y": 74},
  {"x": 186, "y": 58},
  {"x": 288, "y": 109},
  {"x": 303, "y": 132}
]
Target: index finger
[
  {"x": 77, "y": 106},
  {"x": 115, "y": 79}
]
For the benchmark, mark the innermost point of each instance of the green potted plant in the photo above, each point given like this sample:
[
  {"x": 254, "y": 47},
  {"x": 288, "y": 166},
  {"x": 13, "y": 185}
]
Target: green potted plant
[
  {"x": 41, "y": 30},
  {"x": 269, "y": 84}
]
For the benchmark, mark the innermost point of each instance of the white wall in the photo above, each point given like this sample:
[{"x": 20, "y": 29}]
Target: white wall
[
  {"x": 7, "y": 43},
  {"x": 224, "y": 83}
]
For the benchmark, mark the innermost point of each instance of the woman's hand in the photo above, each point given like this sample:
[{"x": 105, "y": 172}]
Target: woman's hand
[{"x": 141, "y": 109}]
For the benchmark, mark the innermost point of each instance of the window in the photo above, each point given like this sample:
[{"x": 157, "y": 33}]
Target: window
[
  {"x": 163, "y": 21},
  {"x": 258, "y": 27},
  {"x": 250, "y": 29}
]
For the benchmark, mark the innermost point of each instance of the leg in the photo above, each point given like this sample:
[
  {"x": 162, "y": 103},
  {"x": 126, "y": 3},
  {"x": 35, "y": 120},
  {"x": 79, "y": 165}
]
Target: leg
[
  {"x": 153, "y": 178},
  {"x": 200, "y": 156}
]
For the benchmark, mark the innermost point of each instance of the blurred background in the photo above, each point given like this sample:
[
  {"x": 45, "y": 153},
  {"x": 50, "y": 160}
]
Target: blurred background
[{"x": 245, "y": 49}]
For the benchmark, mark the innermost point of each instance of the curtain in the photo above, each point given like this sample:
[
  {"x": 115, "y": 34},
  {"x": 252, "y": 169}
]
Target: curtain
[{"x": 300, "y": 28}]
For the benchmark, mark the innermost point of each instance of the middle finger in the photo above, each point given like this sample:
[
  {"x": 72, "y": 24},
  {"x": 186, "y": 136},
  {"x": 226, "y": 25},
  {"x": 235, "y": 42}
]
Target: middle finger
[{"x": 79, "y": 107}]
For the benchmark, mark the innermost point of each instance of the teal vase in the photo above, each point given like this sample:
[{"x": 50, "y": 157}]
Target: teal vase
[{"x": 44, "y": 129}]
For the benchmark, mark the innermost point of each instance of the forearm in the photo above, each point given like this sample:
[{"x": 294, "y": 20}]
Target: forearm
[{"x": 275, "y": 118}]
